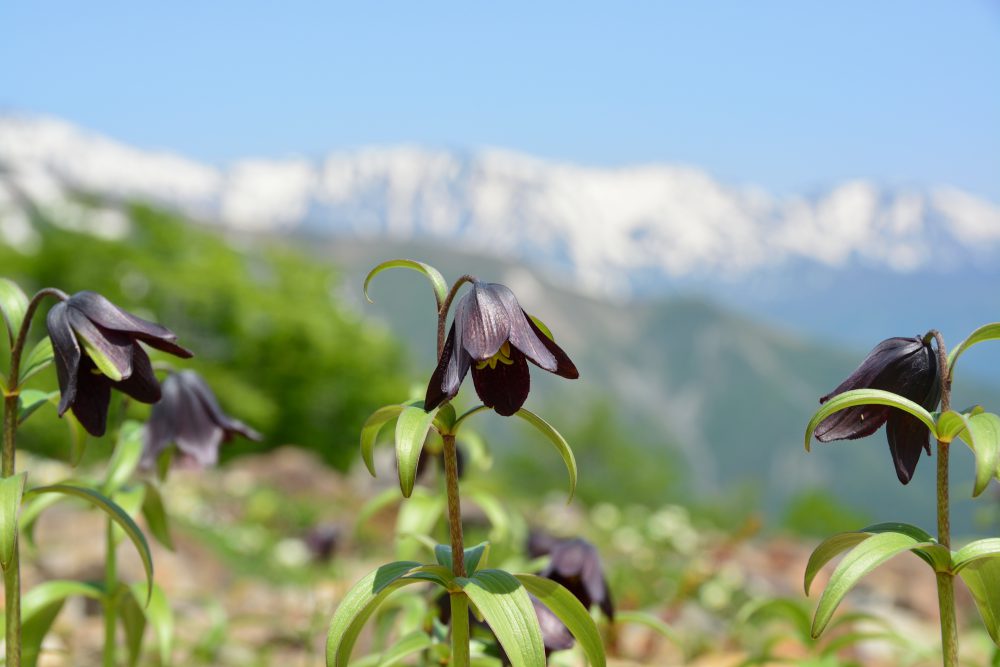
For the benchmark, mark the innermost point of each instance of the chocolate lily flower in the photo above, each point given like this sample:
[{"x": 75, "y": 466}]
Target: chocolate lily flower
[
  {"x": 96, "y": 347},
  {"x": 904, "y": 366},
  {"x": 189, "y": 416},
  {"x": 494, "y": 337},
  {"x": 576, "y": 566}
]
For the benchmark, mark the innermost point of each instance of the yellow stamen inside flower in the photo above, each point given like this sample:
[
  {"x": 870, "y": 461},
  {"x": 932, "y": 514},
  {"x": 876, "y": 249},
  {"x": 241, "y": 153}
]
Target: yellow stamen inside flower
[{"x": 502, "y": 356}]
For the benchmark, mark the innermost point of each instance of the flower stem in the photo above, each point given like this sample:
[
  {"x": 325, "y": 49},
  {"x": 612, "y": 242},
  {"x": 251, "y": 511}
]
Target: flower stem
[
  {"x": 110, "y": 597},
  {"x": 945, "y": 580},
  {"x": 459, "y": 603},
  {"x": 459, "y": 630},
  {"x": 12, "y": 575},
  {"x": 446, "y": 306}
]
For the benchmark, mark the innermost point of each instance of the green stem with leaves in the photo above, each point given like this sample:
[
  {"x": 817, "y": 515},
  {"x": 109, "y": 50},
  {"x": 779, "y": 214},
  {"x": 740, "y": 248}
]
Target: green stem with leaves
[
  {"x": 12, "y": 575},
  {"x": 945, "y": 580}
]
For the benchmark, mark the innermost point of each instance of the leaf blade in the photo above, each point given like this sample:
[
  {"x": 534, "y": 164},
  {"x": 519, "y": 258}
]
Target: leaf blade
[
  {"x": 438, "y": 283},
  {"x": 850, "y": 399},
  {"x": 11, "y": 491},
  {"x": 412, "y": 426},
  {"x": 571, "y": 612},
  {"x": 556, "y": 439},
  {"x": 507, "y": 609}
]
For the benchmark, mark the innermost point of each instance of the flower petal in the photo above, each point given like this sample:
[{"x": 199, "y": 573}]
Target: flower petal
[
  {"x": 197, "y": 387},
  {"x": 504, "y": 387},
  {"x": 483, "y": 320},
  {"x": 159, "y": 432},
  {"x": 886, "y": 355},
  {"x": 908, "y": 438},
  {"x": 196, "y": 435},
  {"x": 522, "y": 335},
  {"x": 564, "y": 367},
  {"x": 451, "y": 370},
  {"x": 110, "y": 350},
  {"x": 93, "y": 394},
  {"x": 98, "y": 309},
  {"x": 142, "y": 384},
  {"x": 67, "y": 353},
  {"x": 852, "y": 423}
]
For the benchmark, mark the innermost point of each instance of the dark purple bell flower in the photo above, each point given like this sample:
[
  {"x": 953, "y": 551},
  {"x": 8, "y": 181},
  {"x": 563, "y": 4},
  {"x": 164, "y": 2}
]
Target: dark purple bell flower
[
  {"x": 96, "y": 346},
  {"x": 576, "y": 566},
  {"x": 189, "y": 417},
  {"x": 495, "y": 338},
  {"x": 904, "y": 366}
]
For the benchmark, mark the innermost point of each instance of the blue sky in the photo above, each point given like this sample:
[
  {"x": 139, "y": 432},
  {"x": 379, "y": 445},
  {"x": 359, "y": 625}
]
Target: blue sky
[{"x": 790, "y": 95}]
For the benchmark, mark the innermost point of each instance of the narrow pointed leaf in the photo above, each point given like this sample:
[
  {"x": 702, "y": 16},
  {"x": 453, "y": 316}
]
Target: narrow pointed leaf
[
  {"x": 358, "y": 605},
  {"x": 411, "y": 431},
  {"x": 37, "y": 359},
  {"x": 829, "y": 549},
  {"x": 30, "y": 511},
  {"x": 129, "y": 499},
  {"x": 156, "y": 516},
  {"x": 849, "y": 399},
  {"x": 11, "y": 490},
  {"x": 560, "y": 442},
  {"x": 983, "y": 333},
  {"x": 159, "y": 614},
  {"x": 970, "y": 553},
  {"x": 861, "y": 560},
  {"x": 39, "y": 608},
  {"x": 568, "y": 609},
  {"x": 412, "y": 643},
  {"x": 507, "y": 609},
  {"x": 115, "y": 512},
  {"x": 982, "y": 435},
  {"x": 934, "y": 554},
  {"x": 13, "y": 306},
  {"x": 437, "y": 281},
  {"x": 474, "y": 556},
  {"x": 982, "y": 577},
  {"x": 133, "y": 622},
  {"x": 30, "y": 400},
  {"x": 125, "y": 458},
  {"x": 370, "y": 431}
]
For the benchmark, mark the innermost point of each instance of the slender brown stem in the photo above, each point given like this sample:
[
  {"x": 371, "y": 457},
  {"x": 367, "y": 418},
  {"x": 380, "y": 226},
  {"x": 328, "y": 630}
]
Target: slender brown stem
[
  {"x": 22, "y": 336},
  {"x": 454, "y": 505},
  {"x": 446, "y": 306}
]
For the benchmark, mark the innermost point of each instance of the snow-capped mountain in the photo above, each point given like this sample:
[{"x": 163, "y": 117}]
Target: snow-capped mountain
[{"x": 610, "y": 228}]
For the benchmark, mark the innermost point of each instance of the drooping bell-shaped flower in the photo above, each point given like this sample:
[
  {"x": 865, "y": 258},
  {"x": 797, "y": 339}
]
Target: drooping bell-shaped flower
[
  {"x": 495, "y": 338},
  {"x": 907, "y": 367},
  {"x": 96, "y": 346},
  {"x": 576, "y": 565},
  {"x": 189, "y": 417}
]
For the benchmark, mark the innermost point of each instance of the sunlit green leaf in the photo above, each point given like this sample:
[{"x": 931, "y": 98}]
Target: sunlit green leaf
[
  {"x": 982, "y": 577},
  {"x": 115, "y": 512},
  {"x": 437, "y": 281},
  {"x": 156, "y": 515},
  {"x": 11, "y": 490},
  {"x": 359, "y": 604},
  {"x": 445, "y": 418},
  {"x": 370, "y": 430},
  {"x": 126, "y": 456},
  {"x": 934, "y": 554},
  {"x": 568, "y": 609},
  {"x": 986, "y": 548},
  {"x": 982, "y": 435},
  {"x": 13, "y": 306},
  {"x": 405, "y": 647},
  {"x": 983, "y": 333},
  {"x": 949, "y": 425},
  {"x": 133, "y": 621},
  {"x": 159, "y": 614},
  {"x": 39, "y": 608},
  {"x": 849, "y": 399},
  {"x": 37, "y": 359},
  {"x": 411, "y": 431},
  {"x": 507, "y": 609},
  {"x": 561, "y": 445},
  {"x": 474, "y": 556},
  {"x": 858, "y": 562},
  {"x": 829, "y": 549},
  {"x": 29, "y": 400},
  {"x": 129, "y": 499}
]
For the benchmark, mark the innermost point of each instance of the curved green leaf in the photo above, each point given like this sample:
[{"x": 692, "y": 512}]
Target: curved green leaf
[
  {"x": 129, "y": 499},
  {"x": 849, "y": 399},
  {"x": 157, "y": 612},
  {"x": 861, "y": 560},
  {"x": 13, "y": 306},
  {"x": 982, "y": 435},
  {"x": 37, "y": 359},
  {"x": 916, "y": 532},
  {"x": 11, "y": 490},
  {"x": 983, "y": 333},
  {"x": 39, "y": 608},
  {"x": 133, "y": 622},
  {"x": 359, "y": 604},
  {"x": 785, "y": 608},
  {"x": 982, "y": 577},
  {"x": 829, "y": 549},
  {"x": 652, "y": 622},
  {"x": 417, "y": 516},
  {"x": 125, "y": 458},
  {"x": 408, "y": 645},
  {"x": 370, "y": 431},
  {"x": 30, "y": 511},
  {"x": 507, "y": 609},
  {"x": 473, "y": 557},
  {"x": 411, "y": 431},
  {"x": 970, "y": 553},
  {"x": 568, "y": 609},
  {"x": 437, "y": 281},
  {"x": 157, "y": 519},
  {"x": 112, "y": 510},
  {"x": 445, "y": 418},
  {"x": 29, "y": 400},
  {"x": 561, "y": 445},
  {"x": 949, "y": 425}
]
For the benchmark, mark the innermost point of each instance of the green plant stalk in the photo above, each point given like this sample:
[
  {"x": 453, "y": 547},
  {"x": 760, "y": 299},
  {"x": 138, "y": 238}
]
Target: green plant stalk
[
  {"x": 945, "y": 580},
  {"x": 459, "y": 629},
  {"x": 12, "y": 575},
  {"x": 459, "y": 602},
  {"x": 110, "y": 597}
]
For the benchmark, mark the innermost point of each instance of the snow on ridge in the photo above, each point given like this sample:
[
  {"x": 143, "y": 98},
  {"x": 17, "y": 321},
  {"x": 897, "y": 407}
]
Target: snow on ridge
[{"x": 603, "y": 224}]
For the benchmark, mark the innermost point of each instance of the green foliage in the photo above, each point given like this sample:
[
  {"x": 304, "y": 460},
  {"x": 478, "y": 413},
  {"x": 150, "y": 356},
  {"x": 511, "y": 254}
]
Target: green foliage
[
  {"x": 817, "y": 513},
  {"x": 264, "y": 321}
]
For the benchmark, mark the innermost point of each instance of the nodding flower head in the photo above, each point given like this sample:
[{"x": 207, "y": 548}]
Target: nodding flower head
[
  {"x": 495, "y": 338},
  {"x": 907, "y": 367},
  {"x": 96, "y": 346}
]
